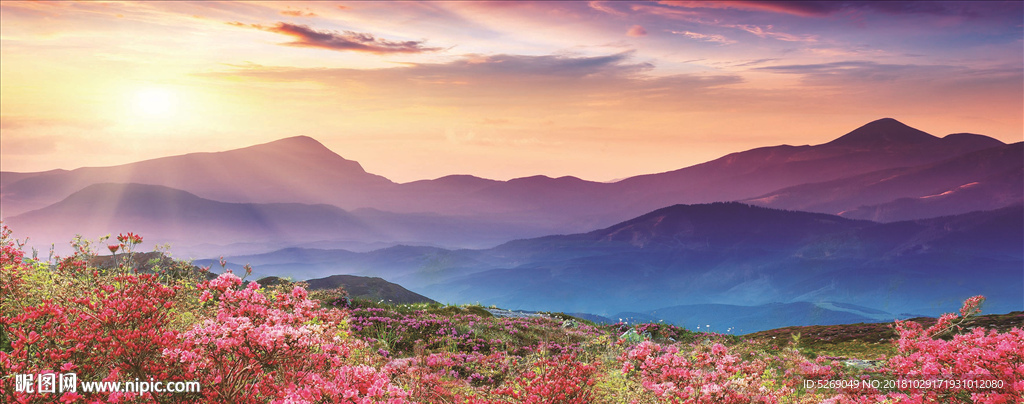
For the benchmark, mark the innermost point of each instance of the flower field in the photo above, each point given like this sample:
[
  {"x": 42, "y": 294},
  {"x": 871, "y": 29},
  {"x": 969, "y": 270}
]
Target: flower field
[{"x": 246, "y": 343}]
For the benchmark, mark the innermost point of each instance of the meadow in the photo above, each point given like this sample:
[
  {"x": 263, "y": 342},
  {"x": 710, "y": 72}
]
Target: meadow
[{"x": 250, "y": 343}]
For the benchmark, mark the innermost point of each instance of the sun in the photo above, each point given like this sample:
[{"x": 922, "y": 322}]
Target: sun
[{"x": 154, "y": 102}]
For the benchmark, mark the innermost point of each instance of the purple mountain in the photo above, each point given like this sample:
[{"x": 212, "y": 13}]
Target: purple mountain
[{"x": 851, "y": 174}]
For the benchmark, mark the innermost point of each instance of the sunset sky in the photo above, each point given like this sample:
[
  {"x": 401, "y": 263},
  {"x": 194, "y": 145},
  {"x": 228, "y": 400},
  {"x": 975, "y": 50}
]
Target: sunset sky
[{"x": 419, "y": 90}]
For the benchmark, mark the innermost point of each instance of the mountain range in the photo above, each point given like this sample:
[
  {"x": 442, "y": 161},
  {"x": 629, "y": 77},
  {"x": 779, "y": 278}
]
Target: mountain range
[
  {"x": 723, "y": 253},
  {"x": 273, "y": 195},
  {"x": 884, "y": 221}
]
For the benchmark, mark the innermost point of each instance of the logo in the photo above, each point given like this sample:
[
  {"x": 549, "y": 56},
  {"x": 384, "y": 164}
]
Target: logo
[{"x": 46, "y": 383}]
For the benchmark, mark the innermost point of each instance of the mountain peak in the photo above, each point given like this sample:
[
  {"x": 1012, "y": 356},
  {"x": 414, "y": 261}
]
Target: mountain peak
[
  {"x": 304, "y": 151},
  {"x": 295, "y": 144},
  {"x": 881, "y": 133},
  {"x": 301, "y": 139}
]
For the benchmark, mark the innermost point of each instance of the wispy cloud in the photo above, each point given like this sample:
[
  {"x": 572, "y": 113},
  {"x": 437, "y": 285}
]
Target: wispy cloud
[
  {"x": 566, "y": 81},
  {"x": 298, "y": 13},
  {"x": 338, "y": 41},
  {"x": 855, "y": 8},
  {"x": 767, "y": 32},
  {"x": 666, "y": 12},
  {"x": 705, "y": 37},
  {"x": 865, "y": 74},
  {"x": 755, "y": 62},
  {"x": 605, "y": 7},
  {"x": 801, "y": 8}
]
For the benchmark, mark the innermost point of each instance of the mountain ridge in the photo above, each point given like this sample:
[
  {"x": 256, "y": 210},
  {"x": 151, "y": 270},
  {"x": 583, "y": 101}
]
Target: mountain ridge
[{"x": 468, "y": 211}]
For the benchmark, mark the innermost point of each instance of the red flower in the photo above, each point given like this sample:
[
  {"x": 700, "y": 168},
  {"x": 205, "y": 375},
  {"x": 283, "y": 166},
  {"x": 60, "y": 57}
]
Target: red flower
[{"x": 130, "y": 238}]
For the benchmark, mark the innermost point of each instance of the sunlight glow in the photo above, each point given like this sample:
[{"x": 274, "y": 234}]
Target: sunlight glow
[{"x": 154, "y": 102}]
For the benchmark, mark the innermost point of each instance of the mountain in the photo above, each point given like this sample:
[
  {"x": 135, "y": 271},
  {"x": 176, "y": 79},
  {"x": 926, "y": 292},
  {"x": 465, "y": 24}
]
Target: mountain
[
  {"x": 574, "y": 205},
  {"x": 882, "y": 134},
  {"x": 180, "y": 217},
  {"x": 992, "y": 192},
  {"x": 732, "y": 319},
  {"x": 359, "y": 287},
  {"x": 878, "y": 145},
  {"x": 427, "y": 264},
  {"x": 721, "y": 253},
  {"x": 704, "y": 254},
  {"x": 462, "y": 211},
  {"x": 979, "y": 180},
  {"x": 202, "y": 227},
  {"x": 296, "y": 169}
]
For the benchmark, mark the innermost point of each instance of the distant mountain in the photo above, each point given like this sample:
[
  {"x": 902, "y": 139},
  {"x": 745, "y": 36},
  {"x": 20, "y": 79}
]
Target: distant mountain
[
  {"x": 732, "y": 319},
  {"x": 979, "y": 180},
  {"x": 878, "y": 145},
  {"x": 700, "y": 254},
  {"x": 995, "y": 191},
  {"x": 296, "y": 169},
  {"x": 575, "y": 205},
  {"x": 361, "y": 287},
  {"x": 176, "y": 216},
  {"x": 722, "y": 253},
  {"x": 884, "y": 133},
  {"x": 197, "y": 225},
  {"x": 429, "y": 264},
  {"x": 463, "y": 211},
  {"x": 149, "y": 262}
]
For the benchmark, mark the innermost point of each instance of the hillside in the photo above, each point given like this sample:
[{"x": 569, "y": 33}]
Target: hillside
[
  {"x": 980, "y": 180},
  {"x": 358, "y": 287}
]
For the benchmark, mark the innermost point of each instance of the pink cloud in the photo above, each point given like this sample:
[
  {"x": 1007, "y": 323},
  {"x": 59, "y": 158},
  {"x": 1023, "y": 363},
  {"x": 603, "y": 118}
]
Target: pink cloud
[
  {"x": 636, "y": 30},
  {"x": 600, "y": 6},
  {"x": 298, "y": 13},
  {"x": 339, "y": 41},
  {"x": 800, "y": 8}
]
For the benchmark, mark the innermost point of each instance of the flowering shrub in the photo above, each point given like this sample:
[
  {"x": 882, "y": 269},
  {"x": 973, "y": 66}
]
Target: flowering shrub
[
  {"x": 248, "y": 344},
  {"x": 555, "y": 380},
  {"x": 113, "y": 329},
  {"x": 282, "y": 348},
  {"x": 708, "y": 374},
  {"x": 977, "y": 355}
]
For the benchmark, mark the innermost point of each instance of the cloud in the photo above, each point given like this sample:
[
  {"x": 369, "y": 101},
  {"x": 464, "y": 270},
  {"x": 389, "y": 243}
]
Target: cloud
[
  {"x": 766, "y": 32},
  {"x": 636, "y": 30},
  {"x": 600, "y": 6},
  {"x": 705, "y": 37},
  {"x": 298, "y": 13},
  {"x": 921, "y": 78},
  {"x": 829, "y": 8},
  {"x": 338, "y": 41},
  {"x": 800, "y": 8},
  {"x": 545, "y": 66},
  {"x": 821, "y": 73},
  {"x": 546, "y": 82},
  {"x": 756, "y": 62},
  {"x": 667, "y": 12}
]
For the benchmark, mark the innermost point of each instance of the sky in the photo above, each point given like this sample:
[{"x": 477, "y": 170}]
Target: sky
[{"x": 420, "y": 90}]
